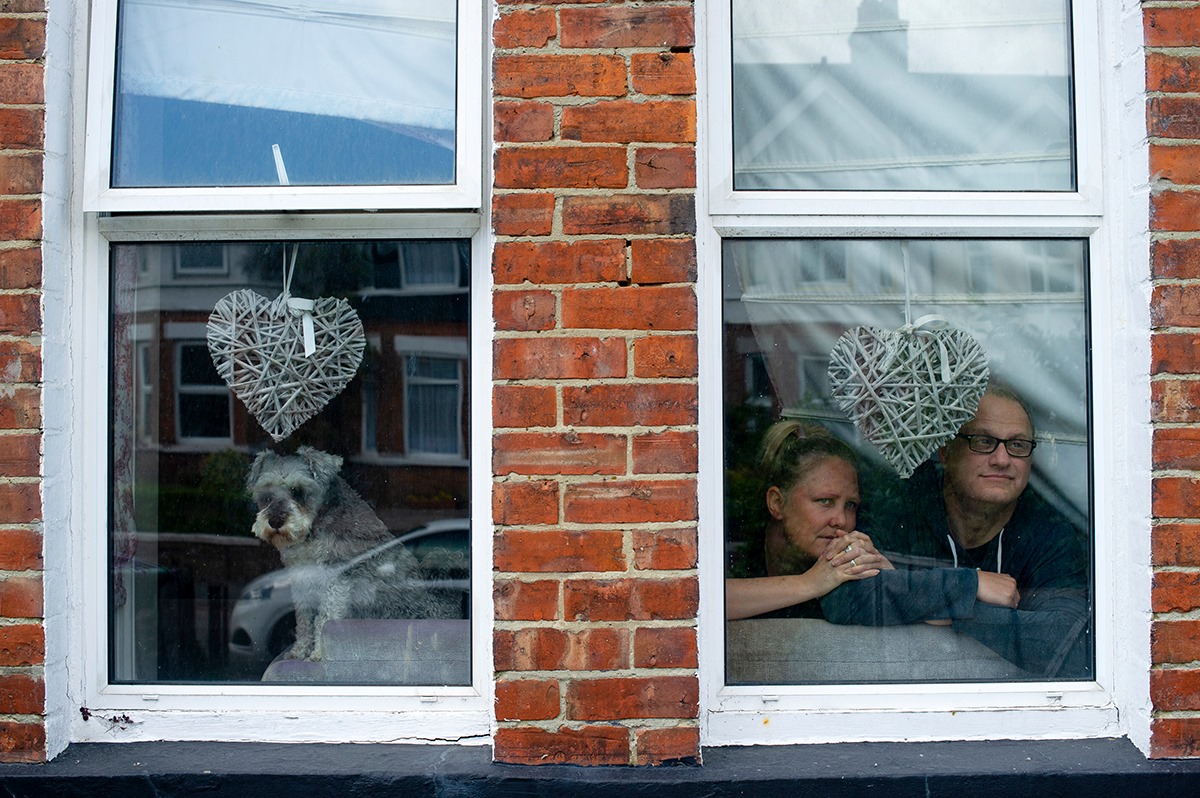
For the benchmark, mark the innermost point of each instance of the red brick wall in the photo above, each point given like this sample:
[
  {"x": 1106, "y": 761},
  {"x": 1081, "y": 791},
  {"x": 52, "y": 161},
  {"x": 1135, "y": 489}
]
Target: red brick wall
[
  {"x": 22, "y": 692},
  {"x": 595, "y": 402},
  {"x": 1172, "y": 80}
]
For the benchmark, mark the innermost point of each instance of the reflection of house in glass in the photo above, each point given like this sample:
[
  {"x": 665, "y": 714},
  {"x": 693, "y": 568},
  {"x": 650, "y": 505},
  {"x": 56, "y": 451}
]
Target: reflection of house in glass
[
  {"x": 875, "y": 121},
  {"x": 185, "y": 549}
]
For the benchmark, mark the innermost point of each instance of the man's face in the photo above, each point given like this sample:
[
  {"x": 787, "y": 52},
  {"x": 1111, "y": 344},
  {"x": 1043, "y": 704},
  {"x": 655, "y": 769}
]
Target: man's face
[{"x": 996, "y": 478}]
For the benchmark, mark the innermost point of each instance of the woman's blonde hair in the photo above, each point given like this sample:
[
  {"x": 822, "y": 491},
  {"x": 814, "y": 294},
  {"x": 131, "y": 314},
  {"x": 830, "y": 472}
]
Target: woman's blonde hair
[{"x": 791, "y": 448}]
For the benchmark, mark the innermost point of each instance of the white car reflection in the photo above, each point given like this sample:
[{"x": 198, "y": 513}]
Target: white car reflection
[{"x": 263, "y": 622}]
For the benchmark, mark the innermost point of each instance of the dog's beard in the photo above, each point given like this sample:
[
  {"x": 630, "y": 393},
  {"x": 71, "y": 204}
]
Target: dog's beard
[{"x": 293, "y": 530}]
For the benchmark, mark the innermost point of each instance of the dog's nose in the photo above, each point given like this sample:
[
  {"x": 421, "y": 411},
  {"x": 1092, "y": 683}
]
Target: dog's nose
[{"x": 276, "y": 516}]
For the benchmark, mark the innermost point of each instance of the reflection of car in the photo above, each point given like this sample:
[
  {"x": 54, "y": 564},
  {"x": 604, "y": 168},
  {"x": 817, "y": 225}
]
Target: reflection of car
[{"x": 263, "y": 622}]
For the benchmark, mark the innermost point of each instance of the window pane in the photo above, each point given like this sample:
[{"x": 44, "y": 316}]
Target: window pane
[
  {"x": 902, "y": 95},
  {"x": 196, "y": 595},
  {"x": 357, "y": 92},
  {"x": 954, "y": 527}
]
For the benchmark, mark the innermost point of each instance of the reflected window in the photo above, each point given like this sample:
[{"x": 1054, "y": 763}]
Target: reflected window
[
  {"x": 235, "y": 558},
  {"x": 983, "y": 559}
]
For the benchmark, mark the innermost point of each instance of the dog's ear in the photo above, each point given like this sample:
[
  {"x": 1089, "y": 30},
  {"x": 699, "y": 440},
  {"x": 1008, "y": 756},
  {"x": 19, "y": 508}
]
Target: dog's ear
[
  {"x": 325, "y": 466},
  {"x": 256, "y": 469}
]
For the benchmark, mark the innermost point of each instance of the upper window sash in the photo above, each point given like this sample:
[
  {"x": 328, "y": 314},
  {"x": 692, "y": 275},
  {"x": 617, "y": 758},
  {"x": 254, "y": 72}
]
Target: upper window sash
[
  {"x": 132, "y": 85},
  {"x": 781, "y": 200}
]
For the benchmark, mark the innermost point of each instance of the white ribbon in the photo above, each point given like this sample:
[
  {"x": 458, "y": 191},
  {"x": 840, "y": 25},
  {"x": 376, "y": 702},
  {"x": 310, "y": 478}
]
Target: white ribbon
[
  {"x": 928, "y": 325},
  {"x": 304, "y": 308}
]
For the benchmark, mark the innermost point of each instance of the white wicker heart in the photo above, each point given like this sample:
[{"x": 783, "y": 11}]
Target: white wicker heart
[
  {"x": 908, "y": 391},
  {"x": 258, "y": 347}
]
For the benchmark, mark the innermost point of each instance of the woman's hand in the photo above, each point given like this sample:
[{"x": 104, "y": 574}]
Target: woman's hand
[{"x": 856, "y": 550}]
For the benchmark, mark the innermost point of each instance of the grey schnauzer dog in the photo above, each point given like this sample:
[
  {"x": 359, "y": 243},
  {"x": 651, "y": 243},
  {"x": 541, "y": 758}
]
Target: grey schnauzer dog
[{"x": 342, "y": 560}]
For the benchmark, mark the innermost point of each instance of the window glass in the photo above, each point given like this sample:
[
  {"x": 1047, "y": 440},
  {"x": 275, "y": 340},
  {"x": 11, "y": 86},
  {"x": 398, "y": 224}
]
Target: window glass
[
  {"x": 332, "y": 556},
  {"x": 902, "y": 95},
  {"x": 984, "y": 552},
  {"x": 354, "y": 92}
]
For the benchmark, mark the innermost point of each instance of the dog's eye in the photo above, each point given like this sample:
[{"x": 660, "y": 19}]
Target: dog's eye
[{"x": 298, "y": 494}]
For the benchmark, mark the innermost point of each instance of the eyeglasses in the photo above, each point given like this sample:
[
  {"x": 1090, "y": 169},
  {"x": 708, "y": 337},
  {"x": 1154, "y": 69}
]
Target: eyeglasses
[{"x": 986, "y": 444}]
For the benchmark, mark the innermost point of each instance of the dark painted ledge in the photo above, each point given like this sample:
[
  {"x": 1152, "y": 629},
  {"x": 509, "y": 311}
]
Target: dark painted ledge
[{"x": 922, "y": 770}]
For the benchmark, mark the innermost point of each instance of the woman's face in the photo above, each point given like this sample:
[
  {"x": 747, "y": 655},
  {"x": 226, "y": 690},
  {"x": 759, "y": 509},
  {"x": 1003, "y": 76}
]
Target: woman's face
[{"x": 819, "y": 508}]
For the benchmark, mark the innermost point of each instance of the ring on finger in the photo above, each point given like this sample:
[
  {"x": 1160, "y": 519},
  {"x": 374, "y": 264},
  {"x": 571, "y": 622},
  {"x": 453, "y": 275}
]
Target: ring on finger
[
  {"x": 854, "y": 561},
  {"x": 849, "y": 548}
]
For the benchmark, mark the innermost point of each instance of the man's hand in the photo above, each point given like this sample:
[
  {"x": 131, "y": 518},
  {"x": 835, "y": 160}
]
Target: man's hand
[{"x": 998, "y": 589}]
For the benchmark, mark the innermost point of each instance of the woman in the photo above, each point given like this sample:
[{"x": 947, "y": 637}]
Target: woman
[{"x": 810, "y": 544}]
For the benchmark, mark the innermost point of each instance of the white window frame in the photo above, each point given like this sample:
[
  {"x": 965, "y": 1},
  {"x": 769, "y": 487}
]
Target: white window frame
[
  {"x": 196, "y": 389},
  {"x": 464, "y": 193},
  {"x": 1114, "y": 225}
]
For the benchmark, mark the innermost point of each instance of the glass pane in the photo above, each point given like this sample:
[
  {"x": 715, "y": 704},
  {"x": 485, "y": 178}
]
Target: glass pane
[
  {"x": 215, "y": 574},
  {"x": 977, "y": 566},
  {"x": 915, "y": 95},
  {"x": 355, "y": 92}
]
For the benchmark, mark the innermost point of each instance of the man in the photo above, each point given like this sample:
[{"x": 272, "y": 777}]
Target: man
[{"x": 976, "y": 550}]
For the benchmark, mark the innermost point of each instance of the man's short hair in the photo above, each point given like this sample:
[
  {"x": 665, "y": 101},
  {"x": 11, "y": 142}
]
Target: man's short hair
[{"x": 1003, "y": 391}]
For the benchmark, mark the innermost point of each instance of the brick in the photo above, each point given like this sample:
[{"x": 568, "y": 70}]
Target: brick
[
  {"x": 667, "y": 167},
  {"x": 675, "y": 745},
  {"x": 20, "y": 455},
  {"x": 1175, "y": 305},
  {"x": 515, "y": 600},
  {"x": 21, "y": 129},
  {"x": 1175, "y": 591},
  {"x": 1169, "y": 72},
  {"x": 22, "y": 742},
  {"x": 626, "y": 405},
  {"x": 1175, "y": 544},
  {"x": 524, "y": 311},
  {"x": 561, "y": 167},
  {"x": 629, "y": 121},
  {"x": 629, "y": 308},
  {"x": 1177, "y": 448},
  {"x": 20, "y": 361},
  {"x": 1175, "y": 353},
  {"x": 534, "y": 502},
  {"x": 630, "y": 599},
  {"x": 663, "y": 260},
  {"x": 527, "y": 699},
  {"x": 20, "y": 314},
  {"x": 1173, "y": 118},
  {"x": 1172, "y": 497},
  {"x": 22, "y": 84},
  {"x": 20, "y": 503},
  {"x": 666, "y": 356},
  {"x": 523, "y": 121},
  {"x": 559, "y": 358},
  {"x": 523, "y": 214},
  {"x": 665, "y": 549},
  {"x": 20, "y": 174},
  {"x": 666, "y": 453},
  {"x": 1176, "y": 259},
  {"x": 1174, "y": 737},
  {"x": 21, "y": 268},
  {"x": 20, "y": 219},
  {"x": 1174, "y": 641},
  {"x": 23, "y": 6},
  {"x": 1175, "y": 401},
  {"x": 629, "y": 214},
  {"x": 20, "y": 408},
  {"x": 21, "y": 695},
  {"x": 21, "y": 597},
  {"x": 22, "y": 645},
  {"x": 1174, "y": 210},
  {"x": 1175, "y": 690},
  {"x": 558, "y": 551},
  {"x": 531, "y": 76},
  {"x": 22, "y": 39},
  {"x": 623, "y": 698},
  {"x": 646, "y": 502},
  {"x": 20, "y": 550},
  {"x": 552, "y": 262},
  {"x": 1174, "y": 163},
  {"x": 546, "y": 649},
  {"x": 524, "y": 406},
  {"x": 589, "y": 745},
  {"x": 623, "y": 26},
  {"x": 524, "y": 28},
  {"x": 663, "y": 73},
  {"x": 1171, "y": 27},
  {"x": 546, "y": 453},
  {"x": 665, "y": 647}
]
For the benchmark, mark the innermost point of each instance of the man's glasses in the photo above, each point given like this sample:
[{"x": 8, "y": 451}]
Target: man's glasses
[{"x": 986, "y": 444}]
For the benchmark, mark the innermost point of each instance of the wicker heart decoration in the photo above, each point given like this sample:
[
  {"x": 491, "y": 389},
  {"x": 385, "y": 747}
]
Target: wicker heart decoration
[
  {"x": 908, "y": 391},
  {"x": 286, "y": 358}
]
